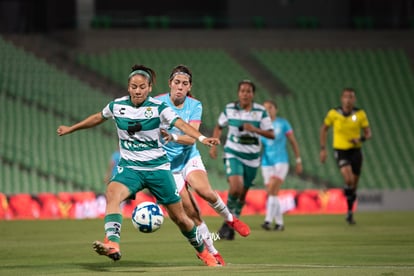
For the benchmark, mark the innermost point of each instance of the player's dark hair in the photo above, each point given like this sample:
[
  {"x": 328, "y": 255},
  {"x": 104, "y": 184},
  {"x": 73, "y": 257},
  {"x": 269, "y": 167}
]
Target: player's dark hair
[
  {"x": 182, "y": 69},
  {"x": 247, "y": 82},
  {"x": 145, "y": 71}
]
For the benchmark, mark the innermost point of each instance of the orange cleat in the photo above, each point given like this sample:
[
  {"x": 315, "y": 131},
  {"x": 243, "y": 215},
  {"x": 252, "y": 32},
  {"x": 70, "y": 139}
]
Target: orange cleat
[
  {"x": 242, "y": 228},
  {"x": 207, "y": 258},
  {"x": 110, "y": 249},
  {"x": 219, "y": 259}
]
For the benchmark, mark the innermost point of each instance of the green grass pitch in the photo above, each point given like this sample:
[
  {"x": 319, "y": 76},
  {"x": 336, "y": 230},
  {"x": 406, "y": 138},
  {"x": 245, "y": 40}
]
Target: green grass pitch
[{"x": 381, "y": 243}]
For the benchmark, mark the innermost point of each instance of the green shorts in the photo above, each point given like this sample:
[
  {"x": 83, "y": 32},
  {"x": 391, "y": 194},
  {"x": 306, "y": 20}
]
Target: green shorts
[
  {"x": 160, "y": 183},
  {"x": 234, "y": 166}
]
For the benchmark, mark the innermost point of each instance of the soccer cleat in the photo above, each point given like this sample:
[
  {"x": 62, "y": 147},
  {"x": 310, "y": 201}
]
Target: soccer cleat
[
  {"x": 110, "y": 249},
  {"x": 350, "y": 219},
  {"x": 219, "y": 259},
  {"x": 226, "y": 232},
  {"x": 230, "y": 235},
  {"x": 207, "y": 258},
  {"x": 266, "y": 226},
  {"x": 279, "y": 227},
  {"x": 242, "y": 228}
]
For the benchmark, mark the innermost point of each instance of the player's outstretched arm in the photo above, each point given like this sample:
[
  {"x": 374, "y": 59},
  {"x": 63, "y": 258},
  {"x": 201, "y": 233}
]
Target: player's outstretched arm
[
  {"x": 181, "y": 139},
  {"x": 89, "y": 122},
  {"x": 193, "y": 132},
  {"x": 216, "y": 134}
]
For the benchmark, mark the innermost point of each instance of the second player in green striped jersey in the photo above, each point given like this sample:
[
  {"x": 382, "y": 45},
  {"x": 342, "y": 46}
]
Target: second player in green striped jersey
[{"x": 246, "y": 122}]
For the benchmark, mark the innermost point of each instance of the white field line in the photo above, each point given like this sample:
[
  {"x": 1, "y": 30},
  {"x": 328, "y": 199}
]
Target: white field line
[{"x": 326, "y": 266}]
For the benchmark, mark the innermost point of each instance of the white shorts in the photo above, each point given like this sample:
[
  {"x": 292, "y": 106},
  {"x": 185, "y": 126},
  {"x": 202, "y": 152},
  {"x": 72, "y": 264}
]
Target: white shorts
[
  {"x": 194, "y": 164},
  {"x": 279, "y": 170}
]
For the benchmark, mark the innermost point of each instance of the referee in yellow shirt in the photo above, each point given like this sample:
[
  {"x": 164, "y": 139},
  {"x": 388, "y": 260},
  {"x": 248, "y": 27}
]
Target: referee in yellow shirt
[{"x": 350, "y": 129}]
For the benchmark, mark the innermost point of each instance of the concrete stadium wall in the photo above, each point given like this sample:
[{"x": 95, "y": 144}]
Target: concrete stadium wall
[{"x": 381, "y": 200}]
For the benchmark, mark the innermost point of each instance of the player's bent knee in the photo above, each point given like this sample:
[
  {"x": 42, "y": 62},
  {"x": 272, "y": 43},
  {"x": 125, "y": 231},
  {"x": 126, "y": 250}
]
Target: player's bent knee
[{"x": 208, "y": 195}]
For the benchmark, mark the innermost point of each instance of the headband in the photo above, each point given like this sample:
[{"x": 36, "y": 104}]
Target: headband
[
  {"x": 140, "y": 72},
  {"x": 180, "y": 73}
]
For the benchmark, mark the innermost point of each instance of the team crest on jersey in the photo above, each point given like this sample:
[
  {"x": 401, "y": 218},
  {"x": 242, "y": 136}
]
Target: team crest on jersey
[
  {"x": 120, "y": 169},
  {"x": 148, "y": 113}
]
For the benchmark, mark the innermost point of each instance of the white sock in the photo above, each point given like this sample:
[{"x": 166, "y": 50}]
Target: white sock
[
  {"x": 278, "y": 213},
  {"x": 206, "y": 237},
  {"x": 271, "y": 208},
  {"x": 222, "y": 209}
]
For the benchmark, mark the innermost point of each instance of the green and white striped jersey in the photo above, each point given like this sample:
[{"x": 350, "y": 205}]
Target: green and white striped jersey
[
  {"x": 241, "y": 144},
  {"x": 139, "y": 134}
]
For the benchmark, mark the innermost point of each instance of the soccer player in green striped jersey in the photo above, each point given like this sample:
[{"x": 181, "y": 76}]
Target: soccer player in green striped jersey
[
  {"x": 144, "y": 163},
  {"x": 246, "y": 121}
]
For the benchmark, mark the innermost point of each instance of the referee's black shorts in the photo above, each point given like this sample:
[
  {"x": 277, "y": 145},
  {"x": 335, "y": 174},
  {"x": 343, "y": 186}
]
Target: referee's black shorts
[{"x": 351, "y": 157}]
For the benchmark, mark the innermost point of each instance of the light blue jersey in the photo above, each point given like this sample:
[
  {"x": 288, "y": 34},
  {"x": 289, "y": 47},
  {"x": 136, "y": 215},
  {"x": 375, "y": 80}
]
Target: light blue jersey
[
  {"x": 115, "y": 158},
  {"x": 275, "y": 150},
  {"x": 191, "y": 111}
]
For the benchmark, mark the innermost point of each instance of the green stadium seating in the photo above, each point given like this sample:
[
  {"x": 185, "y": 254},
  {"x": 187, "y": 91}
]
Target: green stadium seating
[{"x": 36, "y": 98}]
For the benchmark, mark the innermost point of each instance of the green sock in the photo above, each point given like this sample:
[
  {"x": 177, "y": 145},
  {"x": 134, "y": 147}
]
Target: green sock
[
  {"x": 113, "y": 224},
  {"x": 194, "y": 239},
  {"x": 238, "y": 208},
  {"x": 232, "y": 203}
]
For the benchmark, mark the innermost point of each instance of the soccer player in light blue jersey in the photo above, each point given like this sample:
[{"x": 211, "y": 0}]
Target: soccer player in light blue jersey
[
  {"x": 112, "y": 166},
  {"x": 186, "y": 163},
  {"x": 246, "y": 121},
  {"x": 275, "y": 165},
  {"x": 144, "y": 163}
]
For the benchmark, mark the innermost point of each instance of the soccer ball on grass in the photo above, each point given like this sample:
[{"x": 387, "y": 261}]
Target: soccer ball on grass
[{"x": 147, "y": 217}]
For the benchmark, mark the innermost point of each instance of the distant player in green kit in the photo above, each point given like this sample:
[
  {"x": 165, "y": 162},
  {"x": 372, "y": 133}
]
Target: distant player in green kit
[{"x": 246, "y": 121}]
